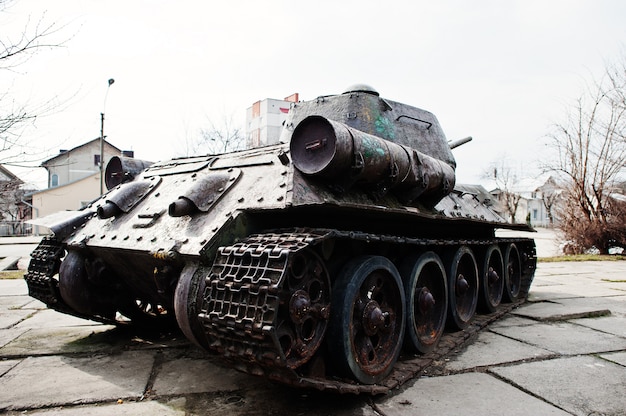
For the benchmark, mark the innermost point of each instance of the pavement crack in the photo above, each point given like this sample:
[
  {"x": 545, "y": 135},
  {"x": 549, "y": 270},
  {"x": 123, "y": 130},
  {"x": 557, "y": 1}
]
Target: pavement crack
[{"x": 156, "y": 368}]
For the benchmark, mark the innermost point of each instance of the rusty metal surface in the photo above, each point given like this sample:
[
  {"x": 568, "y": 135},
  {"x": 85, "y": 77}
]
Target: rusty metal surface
[
  {"x": 246, "y": 246},
  {"x": 243, "y": 319}
]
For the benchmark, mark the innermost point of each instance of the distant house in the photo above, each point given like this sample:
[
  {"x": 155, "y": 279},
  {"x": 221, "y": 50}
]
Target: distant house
[
  {"x": 537, "y": 202},
  {"x": 14, "y": 210},
  {"x": 73, "y": 178}
]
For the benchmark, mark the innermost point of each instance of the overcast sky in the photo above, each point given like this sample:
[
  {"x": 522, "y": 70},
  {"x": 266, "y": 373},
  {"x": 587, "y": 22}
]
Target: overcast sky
[{"x": 500, "y": 71}]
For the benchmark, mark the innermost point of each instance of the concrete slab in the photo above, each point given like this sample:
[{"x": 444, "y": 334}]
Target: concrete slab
[
  {"x": 470, "y": 394},
  {"x": 493, "y": 349},
  {"x": 615, "y": 325},
  {"x": 616, "y": 304},
  {"x": 81, "y": 339},
  {"x": 58, "y": 380},
  {"x": 556, "y": 292},
  {"x": 512, "y": 320},
  {"x": 8, "y": 335},
  {"x": 147, "y": 408},
  {"x": 6, "y": 365},
  {"x": 14, "y": 302},
  {"x": 35, "y": 304},
  {"x": 616, "y": 357},
  {"x": 49, "y": 318},
  {"x": 12, "y": 317},
  {"x": 191, "y": 375},
  {"x": 564, "y": 338},
  {"x": 9, "y": 262},
  {"x": 13, "y": 287},
  {"x": 560, "y": 310},
  {"x": 583, "y": 385}
]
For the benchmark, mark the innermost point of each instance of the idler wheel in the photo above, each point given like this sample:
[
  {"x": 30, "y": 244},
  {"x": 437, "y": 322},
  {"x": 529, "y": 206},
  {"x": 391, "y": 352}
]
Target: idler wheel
[
  {"x": 512, "y": 273},
  {"x": 368, "y": 318},
  {"x": 462, "y": 287},
  {"x": 491, "y": 279},
  {"x": 426, "y": 294}
]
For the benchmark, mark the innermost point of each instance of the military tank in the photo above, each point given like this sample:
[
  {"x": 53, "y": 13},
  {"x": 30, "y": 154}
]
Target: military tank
[{"x": 330, "y": 260}]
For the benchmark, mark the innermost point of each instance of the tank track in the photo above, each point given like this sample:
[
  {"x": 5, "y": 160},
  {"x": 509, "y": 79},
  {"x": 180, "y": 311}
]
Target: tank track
[
  {"x": 249, "y": 339},
  {"x": 245, "y": 289},
  {"x": 44, "y": 265}
]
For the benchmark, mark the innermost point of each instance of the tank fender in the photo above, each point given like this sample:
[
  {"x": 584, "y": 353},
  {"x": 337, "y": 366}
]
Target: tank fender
[
  {"x": 204, "y": 192},
  {"x": 125, "y": 197}
]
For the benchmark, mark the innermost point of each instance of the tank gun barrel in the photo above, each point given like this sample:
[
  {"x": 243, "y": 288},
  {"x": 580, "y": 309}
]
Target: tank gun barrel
[{"x": 456, "y": 143}]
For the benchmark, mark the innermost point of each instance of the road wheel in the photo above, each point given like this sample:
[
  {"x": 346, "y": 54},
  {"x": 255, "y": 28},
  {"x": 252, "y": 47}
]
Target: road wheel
[{"x": 367, "y": 319}]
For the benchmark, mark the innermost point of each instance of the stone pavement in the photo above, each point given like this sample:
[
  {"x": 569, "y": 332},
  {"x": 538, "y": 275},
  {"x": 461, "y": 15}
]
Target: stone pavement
[{"x": 563, "y": 353}]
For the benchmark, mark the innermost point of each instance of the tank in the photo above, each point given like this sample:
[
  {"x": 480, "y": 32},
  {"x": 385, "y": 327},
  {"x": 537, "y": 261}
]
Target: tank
[{"x": 335, "y": 259}]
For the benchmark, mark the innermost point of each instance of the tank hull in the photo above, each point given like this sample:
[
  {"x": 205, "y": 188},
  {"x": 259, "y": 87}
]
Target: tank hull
[{"x": 326, "y": 261}]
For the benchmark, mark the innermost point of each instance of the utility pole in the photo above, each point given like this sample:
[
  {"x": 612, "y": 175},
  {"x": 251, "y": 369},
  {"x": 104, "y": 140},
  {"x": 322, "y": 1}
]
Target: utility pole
[{"x": 110, "y": 82}]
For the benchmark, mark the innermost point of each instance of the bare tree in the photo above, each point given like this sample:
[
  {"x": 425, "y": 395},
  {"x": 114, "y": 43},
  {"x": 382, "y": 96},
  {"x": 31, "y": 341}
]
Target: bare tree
[
  {"x": 216, "y": 139},
  {"x": 505, "y": 179},
  {"x": 13, "y": 211},
  {"x": 15, "y": 117},
  {"x": 590, "y": 150}
]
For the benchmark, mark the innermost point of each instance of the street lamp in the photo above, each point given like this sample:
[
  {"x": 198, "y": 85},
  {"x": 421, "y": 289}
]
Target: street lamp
[{"x": 110, "y": 82}]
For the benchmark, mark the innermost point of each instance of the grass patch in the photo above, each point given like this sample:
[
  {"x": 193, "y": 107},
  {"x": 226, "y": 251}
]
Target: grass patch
[
  {"x": 12, "y": 274},
  {"x": 583, "y": 257}
]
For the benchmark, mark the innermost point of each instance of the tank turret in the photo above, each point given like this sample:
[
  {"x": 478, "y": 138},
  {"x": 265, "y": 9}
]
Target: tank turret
[{"x": 316, "y": 261}]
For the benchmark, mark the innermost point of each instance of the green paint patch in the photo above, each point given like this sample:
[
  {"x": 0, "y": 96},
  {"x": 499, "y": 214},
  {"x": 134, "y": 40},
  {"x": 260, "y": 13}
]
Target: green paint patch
[
  {"x": 614, "y": 280},
  {"x": 372, "y": 148},
  {"x": 384, "y": 127}
]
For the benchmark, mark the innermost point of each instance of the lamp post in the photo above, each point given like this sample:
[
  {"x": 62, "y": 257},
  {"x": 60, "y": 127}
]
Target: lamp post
[{"x": 110, "y": 82}]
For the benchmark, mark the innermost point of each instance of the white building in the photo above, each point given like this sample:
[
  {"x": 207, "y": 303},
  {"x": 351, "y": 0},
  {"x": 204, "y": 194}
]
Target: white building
[
  {"x": 73, "y": 178},
  {"x": 264, "y": 120}
]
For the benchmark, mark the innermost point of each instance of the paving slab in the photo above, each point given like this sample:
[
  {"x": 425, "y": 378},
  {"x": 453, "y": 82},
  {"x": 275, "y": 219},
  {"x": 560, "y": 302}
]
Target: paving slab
[
  {"x": 512, "y": 320},
  {"x": 12, "y": 317},
  {"x": 80, "y": 339},
  {"x": 35, "y": 304},
  {"x": 145, "y": 408},
  {"x": 583, "y": 385},
  {"x": 560, "y": 310},
  {"x": 469, "y": 394},
  {"x": 565, "y": 292},
  {"x": 58, "y": 380},
  {"x": 616, "y": 304},
  {"x": 6, "y": 365},
  {"x": 196, "y": 375},
  {"x": 12, "y": 287},
  {"x": 9, "y": 262},
  {"x": 564, "y": 338},
  {"x": 493, "y": 349},
  {"x": 8, "y": 335},
  {"x": 615, "y": 325},
  {"x": 616, "y": 357},
  {"x": 14, "y": 302},
  {"x": 49, "y": 318}
]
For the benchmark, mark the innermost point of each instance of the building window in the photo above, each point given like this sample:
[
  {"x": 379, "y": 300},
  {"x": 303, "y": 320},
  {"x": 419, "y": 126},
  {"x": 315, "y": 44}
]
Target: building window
[
  {"x": 96, "y": 160},
  {"x": 54, "y": 180},
  {"x": 534, "y": 214}
]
